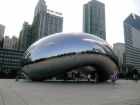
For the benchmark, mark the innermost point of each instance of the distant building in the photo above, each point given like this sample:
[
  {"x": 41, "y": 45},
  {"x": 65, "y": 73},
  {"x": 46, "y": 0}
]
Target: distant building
[
  {"x": 119, "y": 48},
  {"x": 14, "y": 43},
  {"x": 10, "y": 61},
  {"x": 25, "y": 37},
  {"x": 2, "y": 29},
  {"x": 1, "y": 43},
  {"x": 44, "y": 23},
  {"x": 94, "y": 18},
  {"x": 7, "y": 42},
  {"x": 132, "y": 40}
]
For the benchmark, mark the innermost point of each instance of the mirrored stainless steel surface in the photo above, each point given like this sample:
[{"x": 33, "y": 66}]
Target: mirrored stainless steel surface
[{"x": 63, "y": 52}]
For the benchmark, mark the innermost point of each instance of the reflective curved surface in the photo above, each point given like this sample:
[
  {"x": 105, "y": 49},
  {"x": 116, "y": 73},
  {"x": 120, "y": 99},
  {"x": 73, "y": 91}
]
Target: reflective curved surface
[{"x": 63, "y": 52}]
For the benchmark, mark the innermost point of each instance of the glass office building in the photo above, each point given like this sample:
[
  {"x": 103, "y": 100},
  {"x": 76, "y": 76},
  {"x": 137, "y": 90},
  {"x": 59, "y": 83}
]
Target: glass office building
[
  {"x": 94, "y": 18},
  {"x": 132, "y": 40}
]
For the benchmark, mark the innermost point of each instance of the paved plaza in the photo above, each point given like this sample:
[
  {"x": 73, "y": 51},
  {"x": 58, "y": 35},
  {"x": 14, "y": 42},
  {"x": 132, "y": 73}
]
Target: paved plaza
[{"x": 25, "y": 92}]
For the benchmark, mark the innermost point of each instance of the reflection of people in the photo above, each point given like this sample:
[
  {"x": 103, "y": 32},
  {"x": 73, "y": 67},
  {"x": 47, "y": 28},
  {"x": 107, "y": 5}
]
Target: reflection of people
[
  {"x": 113, "y": 78},
  {"x": 89, "y": 76},
  {"x": 18, "y": 75},
  {"x": 96, "y": 77}
]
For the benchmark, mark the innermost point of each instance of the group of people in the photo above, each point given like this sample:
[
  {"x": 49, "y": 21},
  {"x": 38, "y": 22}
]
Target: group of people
[
  {"x": 95, "y": 77},
  {"x": 77, "y": 77}
]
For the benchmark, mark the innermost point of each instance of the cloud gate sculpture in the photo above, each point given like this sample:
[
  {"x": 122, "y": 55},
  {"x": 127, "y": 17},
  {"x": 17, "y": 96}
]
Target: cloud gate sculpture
[{"x": 57, "y": 54}]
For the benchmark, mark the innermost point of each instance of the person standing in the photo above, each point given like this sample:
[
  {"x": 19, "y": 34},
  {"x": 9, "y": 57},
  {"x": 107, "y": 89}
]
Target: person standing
[
  {"x": 65, "y": 76},
  {"x": 116, "y": 77},
  {"x": 69, "y": 76},
  {"x": 78, "y": 76},
  {"x": 113, "y": 78},
  {"x": 89, "y": 76},
  {"x": 134, "y": 78},
  {"x": 96, "y": 77},
  {"x": 18, "y": 75}
]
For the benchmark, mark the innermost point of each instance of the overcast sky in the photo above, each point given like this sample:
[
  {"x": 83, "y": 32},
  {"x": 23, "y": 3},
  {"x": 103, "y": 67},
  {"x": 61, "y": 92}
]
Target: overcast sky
[{"x": 14, "y": 12}]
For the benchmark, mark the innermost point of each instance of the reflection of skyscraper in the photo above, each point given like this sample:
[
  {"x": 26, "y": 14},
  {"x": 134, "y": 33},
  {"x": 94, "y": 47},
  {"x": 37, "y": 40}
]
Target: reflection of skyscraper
[
  {"x": 132, "y": 40},
  {"x": 44, "y": 23},
  {"x": 94, "y": 18}
]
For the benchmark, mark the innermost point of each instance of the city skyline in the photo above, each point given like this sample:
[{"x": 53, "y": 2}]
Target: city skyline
[{"x": 15, "y": 12}]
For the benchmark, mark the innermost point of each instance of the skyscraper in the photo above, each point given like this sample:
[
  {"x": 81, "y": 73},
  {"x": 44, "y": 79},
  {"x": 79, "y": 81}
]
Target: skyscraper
[
  {"x": 2, "y": 29},
  {"x": 44, "y": 23},
  {"x": 94, "y": 18},
  {"x": 41, "y": 6},
  {"x": 132, "y": 40},
  {"x": 25, "y": 37}
]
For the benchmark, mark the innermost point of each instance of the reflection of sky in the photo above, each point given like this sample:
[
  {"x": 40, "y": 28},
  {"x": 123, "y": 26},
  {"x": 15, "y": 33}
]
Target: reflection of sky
[{"x": 61, "y": 44}]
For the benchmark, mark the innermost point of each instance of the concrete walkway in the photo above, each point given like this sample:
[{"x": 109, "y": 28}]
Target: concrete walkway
[{"x": 125, "y": 92}]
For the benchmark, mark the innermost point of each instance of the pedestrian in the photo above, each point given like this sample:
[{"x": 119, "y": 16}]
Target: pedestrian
[
  {"x": 113, "y": 79},
  {"x": 18, "y": 75},
  {"x": 134, "y": 78},
  {"x": 116, "y": 77},
  {"x": 89, "y": 76},
  {"x": 96, "y": 77},
  {"x": 65, "y": 77},
  {"x": 78, "y": 76},
  {"x": 69, "y": 76},
  {"x": 74, "y": 76}
]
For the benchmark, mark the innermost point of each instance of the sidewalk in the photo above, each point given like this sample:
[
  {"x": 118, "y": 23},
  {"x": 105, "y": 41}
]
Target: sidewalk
[{"x": 25, "y": 92}]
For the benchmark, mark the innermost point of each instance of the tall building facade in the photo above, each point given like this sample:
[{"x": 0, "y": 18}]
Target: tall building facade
[
  {"x": 2, "y": 29},
  {"x": 119, "y": 48},
  {"x": 41, "y": 6},
  {"x": 132, "y": 40},
  {"x": 14, "y": 43},
  {"x": 7, "y": 42},
  {"x": 94, "y": 18},
  {"x": 44, "y": 23},
  {"x": 1, "y": 43},
  {"x": 25, "y": 37}
]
